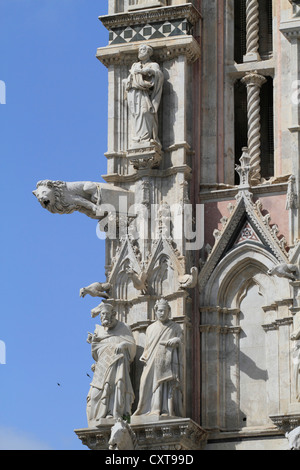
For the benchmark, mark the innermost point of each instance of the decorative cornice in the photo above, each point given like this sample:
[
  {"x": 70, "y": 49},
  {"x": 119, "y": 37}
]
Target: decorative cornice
[
  {"x": 291, "y": 29},
  {"x": 286, "y": 423},
  {"x": 187, "y": 11},
  {"x": 231, "y": 192},
  {"x": 164, "y": 49},
  {"x": 219, "y": 329},
  {"x": 175, "y": 434},
  {"x": 153, "y": 173}
]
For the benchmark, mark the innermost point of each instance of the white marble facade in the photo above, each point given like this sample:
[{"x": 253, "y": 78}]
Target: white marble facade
[{"x": 234, "y": 297}]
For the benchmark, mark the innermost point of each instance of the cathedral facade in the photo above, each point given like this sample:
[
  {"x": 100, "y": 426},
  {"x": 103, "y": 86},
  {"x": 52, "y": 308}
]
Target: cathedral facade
[{"x": 203, "y": 150}]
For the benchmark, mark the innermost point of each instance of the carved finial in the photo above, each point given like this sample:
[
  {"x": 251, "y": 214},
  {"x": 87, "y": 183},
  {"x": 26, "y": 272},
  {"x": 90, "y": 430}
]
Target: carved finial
[
  {"x": 292, "y": 198},
  {"x": 243, "y": 169}
]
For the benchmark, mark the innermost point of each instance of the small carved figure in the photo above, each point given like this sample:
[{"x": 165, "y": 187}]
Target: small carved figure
[
  {"x": 122, "y": 437},
  {"x": 97, "y": 289},
  {"x": 139, "y": 280},
  {"x": 294, "y": 439},
  {"x": 143, "y": 91},
  {"x": 162, "y": 377},
  {"x": 113, "y": 349},
  {"x": 189, "y": 281},
  {"x": 288, "y": 271}
]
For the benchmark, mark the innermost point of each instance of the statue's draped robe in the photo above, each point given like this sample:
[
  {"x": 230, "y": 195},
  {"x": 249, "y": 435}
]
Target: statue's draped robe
[
  {"x": 143, "y": 96},
  {"x": 162, "y": 377},
  {"x": 111, "y": 383}
]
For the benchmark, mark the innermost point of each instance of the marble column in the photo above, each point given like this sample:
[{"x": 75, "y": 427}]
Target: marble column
[
  {"x": 252, "y": 28},
  {"x": 254, "y": 82}
]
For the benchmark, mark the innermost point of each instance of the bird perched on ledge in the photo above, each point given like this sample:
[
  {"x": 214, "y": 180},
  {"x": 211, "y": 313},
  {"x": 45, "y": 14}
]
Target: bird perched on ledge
[
  {"x": 97, "y": 289},
  {"x": 189, "y": 281}
]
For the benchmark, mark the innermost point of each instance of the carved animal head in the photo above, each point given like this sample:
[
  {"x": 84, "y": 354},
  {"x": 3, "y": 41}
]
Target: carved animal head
[
  {"x": 82, "y": 292},
  {"x": 49, "y": 195},
  {"x": 45, "y": 194},
  {"x": 122, "y": 437}
]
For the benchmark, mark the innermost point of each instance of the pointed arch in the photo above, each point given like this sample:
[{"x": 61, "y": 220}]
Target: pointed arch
[{"x": 244, "y": 262}]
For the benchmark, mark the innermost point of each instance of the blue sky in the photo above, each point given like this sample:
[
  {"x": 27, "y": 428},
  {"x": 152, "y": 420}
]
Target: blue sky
[{"x": 53, "y": 126}]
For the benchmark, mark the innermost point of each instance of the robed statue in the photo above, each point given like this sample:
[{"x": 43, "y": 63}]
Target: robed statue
[
  {"x": 143, "y": 92},
  {"x": 113, "y": 349},
  {"x": 162, "y": 377}
]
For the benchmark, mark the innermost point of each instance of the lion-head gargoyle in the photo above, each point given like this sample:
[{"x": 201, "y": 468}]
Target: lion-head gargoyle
[{"x": 60, "y": 197}]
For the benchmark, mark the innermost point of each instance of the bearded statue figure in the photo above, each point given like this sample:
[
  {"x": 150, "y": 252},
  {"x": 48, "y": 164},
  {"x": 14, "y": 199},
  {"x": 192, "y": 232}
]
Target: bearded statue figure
[{"x": 113, "y": 349}]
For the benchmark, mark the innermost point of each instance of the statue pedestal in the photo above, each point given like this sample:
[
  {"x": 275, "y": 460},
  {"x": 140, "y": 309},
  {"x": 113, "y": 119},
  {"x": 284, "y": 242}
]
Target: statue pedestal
[
  {"x": 145, "y": 155},
  {"x": 169, "y": 434}
]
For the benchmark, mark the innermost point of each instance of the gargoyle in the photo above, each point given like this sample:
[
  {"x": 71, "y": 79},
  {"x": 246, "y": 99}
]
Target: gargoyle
[
  {"x": 97, "y": 289},
  {"x": 288, "y": 271},
  {"x": 189, "y": 281},
  {"x": 93, "y": 199},
  {"x": 139, "y": 280}
]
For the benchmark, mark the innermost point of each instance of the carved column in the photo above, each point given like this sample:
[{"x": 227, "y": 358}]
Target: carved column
[
  {"x": 252, "y": 25},
  {"x": 254, "y": 82}
]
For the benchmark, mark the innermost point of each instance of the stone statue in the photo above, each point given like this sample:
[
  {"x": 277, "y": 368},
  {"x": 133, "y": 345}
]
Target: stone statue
[
  {"x": 113, "y": 349},
  {"x": 162, "y": 377},
  {"x": 60, "y": 197},
  {"x": 189, "y": 281},
  {"x": 143, "y": 91},
  {"x": 288, "y": 271},
  {"x": 296, "y": 362},
  {"x": 97, "y": 289}
]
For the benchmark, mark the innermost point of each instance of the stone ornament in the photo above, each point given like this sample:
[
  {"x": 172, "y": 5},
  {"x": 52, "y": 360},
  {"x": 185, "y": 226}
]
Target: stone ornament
[
  {"x": 288, "y": 271},
  {"x": 113, "y": 349},
  {"x": 162, "y": 377},
  {"x": 122, "y": 437},
  {"x": 59, "y": 197},
  {"x": 292, "y": 198},
  {"x": 92, "y": 199},
  {"x": 143, "y": 93},
  {"x": 97, "y": 289},
  {"x": 189, "y": 281}
]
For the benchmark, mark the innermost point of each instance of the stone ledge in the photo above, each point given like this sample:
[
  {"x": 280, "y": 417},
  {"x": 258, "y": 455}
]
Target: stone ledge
[
  {"x": 286, "y": 423},
  {"x": 164, "y": 49},
  {"x": 172, "y": 434},
  {"x": 187, "y": 11}
]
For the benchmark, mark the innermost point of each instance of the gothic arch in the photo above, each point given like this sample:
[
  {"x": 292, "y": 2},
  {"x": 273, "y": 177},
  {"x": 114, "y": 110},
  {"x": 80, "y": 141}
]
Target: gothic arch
[
  {"x": 240, "y": 303},
  {"x": 233, "y": 271}
]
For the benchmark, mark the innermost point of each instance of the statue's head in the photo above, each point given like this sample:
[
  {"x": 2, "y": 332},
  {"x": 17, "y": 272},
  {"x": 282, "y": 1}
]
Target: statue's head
[
  {"x": 145, "y": 52},
  {"x": 162, "y": 310},
  {"x": 108, "y": 315},
  {"x": 48, "y": 193}
]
